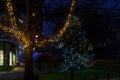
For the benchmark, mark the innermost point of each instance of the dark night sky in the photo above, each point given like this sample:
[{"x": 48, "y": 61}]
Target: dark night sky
[{"x": 93, "y": 14}]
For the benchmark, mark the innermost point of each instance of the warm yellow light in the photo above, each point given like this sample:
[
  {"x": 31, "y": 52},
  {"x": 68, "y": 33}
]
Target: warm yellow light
[
  {"x": 66, "y": 25},
  {"x": 33, "y": 14},
  {"x": 20, "y": 34},
  {"x": 36, "y": 36},
  {"x": 1, "y": 58},
  {"x": 11, "y": 13},
  {"x": 13, "y": 29}
]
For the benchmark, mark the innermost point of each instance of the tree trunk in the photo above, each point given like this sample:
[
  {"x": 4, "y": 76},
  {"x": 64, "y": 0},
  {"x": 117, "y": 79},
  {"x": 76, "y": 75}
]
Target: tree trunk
[
  {"x": 72, "y": 74},
  {"x": 28, "y": 74}
]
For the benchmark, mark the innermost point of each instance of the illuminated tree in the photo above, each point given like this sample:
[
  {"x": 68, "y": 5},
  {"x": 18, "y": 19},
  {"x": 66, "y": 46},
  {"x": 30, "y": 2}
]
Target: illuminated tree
[
  {"x": 77, "y": 50},
  {"x": 25, "y": 36}
]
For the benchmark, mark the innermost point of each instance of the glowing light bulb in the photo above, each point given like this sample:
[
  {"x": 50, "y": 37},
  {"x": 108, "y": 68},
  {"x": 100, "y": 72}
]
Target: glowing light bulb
[{"x": 36, "y": 36}]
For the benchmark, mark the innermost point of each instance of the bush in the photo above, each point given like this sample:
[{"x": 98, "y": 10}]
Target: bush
[{"x": 6, "y": 68}]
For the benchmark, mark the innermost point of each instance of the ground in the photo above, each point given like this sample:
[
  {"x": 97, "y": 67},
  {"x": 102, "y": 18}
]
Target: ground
[{"x": 101, "y": 67}]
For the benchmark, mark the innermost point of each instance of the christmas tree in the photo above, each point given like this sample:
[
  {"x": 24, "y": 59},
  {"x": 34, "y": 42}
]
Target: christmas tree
[{"x": 77, "y": 49}]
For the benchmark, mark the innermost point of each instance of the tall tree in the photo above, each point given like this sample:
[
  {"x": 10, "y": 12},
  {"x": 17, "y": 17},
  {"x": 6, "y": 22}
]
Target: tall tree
[
  {"x": 77, "y": 50},
  {"x": 25, "y": 36},
  {"x": 28, "y": 74}
]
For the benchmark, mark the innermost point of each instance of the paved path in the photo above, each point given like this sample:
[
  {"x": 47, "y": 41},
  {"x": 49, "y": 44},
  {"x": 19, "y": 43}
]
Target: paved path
[{"x": 18, "y": 72}]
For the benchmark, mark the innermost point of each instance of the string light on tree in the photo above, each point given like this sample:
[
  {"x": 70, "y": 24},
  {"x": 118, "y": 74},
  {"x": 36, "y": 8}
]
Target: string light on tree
[
  {"x": 13, "y": 28},
  {"x": 60, "y": 33},
  {"x": 17, "y": 34},
  {"x": 11, "y": 13},
  {"x": 77, "y": 50},
  {"x": 20, "y": 34},
  {"x": 26, "y": 40},
  {"x": 75, "y": 59}
]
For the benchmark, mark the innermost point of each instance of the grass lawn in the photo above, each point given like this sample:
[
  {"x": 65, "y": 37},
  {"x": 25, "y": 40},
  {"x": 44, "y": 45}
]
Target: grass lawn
[
  {"x": 89, "y": 74},
  {"x": 107, "y": 65},
  {"x": 6, "y": 68},
  {"x": 100, "y": 69}
]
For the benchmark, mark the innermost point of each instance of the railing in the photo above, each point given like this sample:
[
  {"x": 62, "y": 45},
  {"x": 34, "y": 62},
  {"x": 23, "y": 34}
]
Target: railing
[
  {"x": 97, "y": 76},
  {"x": 94, "y": 76}
]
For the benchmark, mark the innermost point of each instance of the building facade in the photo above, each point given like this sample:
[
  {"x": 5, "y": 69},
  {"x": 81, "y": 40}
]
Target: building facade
[{"x": 7, "y": 54}]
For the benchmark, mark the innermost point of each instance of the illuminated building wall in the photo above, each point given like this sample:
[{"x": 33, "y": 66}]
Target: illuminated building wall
[{"x": 7, "y": 54}]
